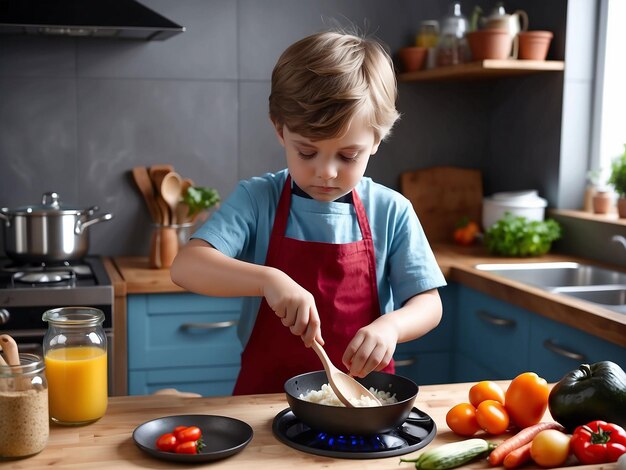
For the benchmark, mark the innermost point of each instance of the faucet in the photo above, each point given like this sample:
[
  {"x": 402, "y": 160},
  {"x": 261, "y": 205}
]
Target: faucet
[{"x": 619, "y": 239}]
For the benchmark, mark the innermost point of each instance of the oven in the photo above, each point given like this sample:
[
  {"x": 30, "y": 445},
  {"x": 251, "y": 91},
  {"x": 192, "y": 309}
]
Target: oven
[{"x": 28, "y": 290}]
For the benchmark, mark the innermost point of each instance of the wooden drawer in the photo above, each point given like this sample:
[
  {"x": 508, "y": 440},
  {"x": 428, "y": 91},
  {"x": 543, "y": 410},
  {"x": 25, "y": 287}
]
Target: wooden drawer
[
  {"x": 425, "y": 368},
  {"x": 207, "y": 381},
  {"x": 493, "y": 333},
  {"x": 556, "y": 349},
  {"x": 182, "y": 330}
]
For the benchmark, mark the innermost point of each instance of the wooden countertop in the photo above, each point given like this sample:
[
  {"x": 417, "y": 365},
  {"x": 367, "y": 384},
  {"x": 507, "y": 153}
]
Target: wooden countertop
[
  {"x": 457, "y": 264},
  {"x": 108, "y": 443}
]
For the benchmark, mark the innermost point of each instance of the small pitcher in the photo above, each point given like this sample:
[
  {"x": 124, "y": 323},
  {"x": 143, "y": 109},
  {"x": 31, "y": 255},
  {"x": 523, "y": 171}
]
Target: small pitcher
[{"x": 513, "y": 23}]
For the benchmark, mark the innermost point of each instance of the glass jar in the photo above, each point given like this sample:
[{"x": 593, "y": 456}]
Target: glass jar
[
  {"x": 75, "y": 352},
  {"x": 452, "y": 48},
  {"x": 24, "y": 426},
  {"x": 428, "y": 34}
]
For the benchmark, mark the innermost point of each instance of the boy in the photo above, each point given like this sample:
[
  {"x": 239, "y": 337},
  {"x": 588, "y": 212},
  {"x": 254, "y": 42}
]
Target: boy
[{"x": 318, "y": 247}]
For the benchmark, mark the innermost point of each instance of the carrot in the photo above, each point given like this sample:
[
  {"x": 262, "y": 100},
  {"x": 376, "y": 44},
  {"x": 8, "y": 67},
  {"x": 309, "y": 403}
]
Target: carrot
[
  {"x": 523, "y": 437},
  {"x": 518, "y": 457}
]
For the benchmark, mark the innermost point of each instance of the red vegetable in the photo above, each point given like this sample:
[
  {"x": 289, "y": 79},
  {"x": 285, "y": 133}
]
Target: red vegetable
[
  {"x": 598, "y": 442},
  {"x": 191, "y": 433},
  {"x": 189, "y": 447},
  {"x": 166, "y": 442}
]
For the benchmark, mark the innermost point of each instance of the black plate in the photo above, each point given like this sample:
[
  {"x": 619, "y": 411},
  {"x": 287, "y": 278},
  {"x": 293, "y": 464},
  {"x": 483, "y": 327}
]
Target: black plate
[{"x": 222, "y": 436}]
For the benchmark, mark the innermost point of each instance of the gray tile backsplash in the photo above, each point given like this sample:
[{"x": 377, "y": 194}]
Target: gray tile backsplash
[{"x": 77, "y": 114}]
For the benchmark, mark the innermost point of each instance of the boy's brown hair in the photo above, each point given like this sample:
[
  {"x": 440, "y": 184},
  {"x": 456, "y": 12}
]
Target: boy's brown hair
[{"x": 321, "y": 82}]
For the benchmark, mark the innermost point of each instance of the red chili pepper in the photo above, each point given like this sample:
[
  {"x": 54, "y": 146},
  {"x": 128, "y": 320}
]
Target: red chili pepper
[{"x": 598, "y": 442}]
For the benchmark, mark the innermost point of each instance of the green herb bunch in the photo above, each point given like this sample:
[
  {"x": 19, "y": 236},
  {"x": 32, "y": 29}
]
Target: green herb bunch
[
  {"x": 517, "y": 236},
  {"x": 199, "y": 199},
  {"x": 617, "y": 179}
]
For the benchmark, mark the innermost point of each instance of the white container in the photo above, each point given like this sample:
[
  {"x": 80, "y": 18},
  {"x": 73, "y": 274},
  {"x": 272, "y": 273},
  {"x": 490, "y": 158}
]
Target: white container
[{"x": 519, "y": 203}]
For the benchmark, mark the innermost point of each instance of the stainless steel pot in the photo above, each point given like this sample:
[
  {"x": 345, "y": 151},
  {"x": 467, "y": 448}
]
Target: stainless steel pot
[{"x": 48, "y": 232}]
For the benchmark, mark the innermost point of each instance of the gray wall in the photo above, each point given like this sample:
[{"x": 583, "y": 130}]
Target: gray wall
[{"x": 77, "y": 114}]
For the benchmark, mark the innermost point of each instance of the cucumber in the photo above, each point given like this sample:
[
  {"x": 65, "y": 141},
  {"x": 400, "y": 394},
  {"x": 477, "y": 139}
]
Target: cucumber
[{"x": 452, "y": 455}]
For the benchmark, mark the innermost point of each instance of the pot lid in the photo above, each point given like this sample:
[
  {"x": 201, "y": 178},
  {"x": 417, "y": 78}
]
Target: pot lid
[
  {"x": 525, "y": 198},
  {"x": 50, "y": 204}
]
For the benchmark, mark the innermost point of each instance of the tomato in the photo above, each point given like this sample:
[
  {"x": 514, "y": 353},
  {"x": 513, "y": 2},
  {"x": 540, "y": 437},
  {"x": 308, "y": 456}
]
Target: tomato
[
  {"x": 492, "y": 417},
  {"x": 486, "y": 390},
  {"x": 189, "y": 447},
  {"x": 526, "y": 399},
  {"x": 178, "y": 429},
  {"x": 465, "y": 232},
  {"x": 550, "y": 448},
  {"x": 191, "y": 433},
  {"x": 461, "y": 419},
  {"x": 166, "y": 442}
]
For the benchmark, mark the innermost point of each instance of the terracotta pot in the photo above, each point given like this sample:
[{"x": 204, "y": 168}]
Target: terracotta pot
[
  {"x": 412, "y": 58},
  {"x": 601, "y": 202},
  {"x": 534, "y": 45},
  {"x": 621, "y": 207},
  {"x": 489, "y": 44}
]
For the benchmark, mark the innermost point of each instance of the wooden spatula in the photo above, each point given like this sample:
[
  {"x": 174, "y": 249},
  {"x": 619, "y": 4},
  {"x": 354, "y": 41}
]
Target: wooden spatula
[
  {"x": 143, "y": 182},
  {"x": 344, "y": 386}
]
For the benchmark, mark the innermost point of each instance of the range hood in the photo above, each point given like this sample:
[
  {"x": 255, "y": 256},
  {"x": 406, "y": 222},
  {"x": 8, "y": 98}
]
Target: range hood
[{"x": 123, "y": 19}]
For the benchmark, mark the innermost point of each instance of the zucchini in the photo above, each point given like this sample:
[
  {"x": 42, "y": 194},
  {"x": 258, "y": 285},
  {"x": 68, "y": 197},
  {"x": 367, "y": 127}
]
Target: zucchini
[{"x": 452, "y": 455}]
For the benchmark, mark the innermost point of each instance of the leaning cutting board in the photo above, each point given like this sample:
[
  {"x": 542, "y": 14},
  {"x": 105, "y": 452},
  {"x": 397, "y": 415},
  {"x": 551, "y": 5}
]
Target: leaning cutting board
[{"x": 441, "y": 196}]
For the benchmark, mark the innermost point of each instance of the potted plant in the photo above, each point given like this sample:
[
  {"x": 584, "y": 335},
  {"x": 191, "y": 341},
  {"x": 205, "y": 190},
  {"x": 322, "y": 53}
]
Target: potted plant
[{"x": 617, "y": 179}]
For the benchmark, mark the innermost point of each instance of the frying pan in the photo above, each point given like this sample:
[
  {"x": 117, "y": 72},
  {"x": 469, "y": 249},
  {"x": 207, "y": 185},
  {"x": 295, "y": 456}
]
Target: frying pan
[{"x": 352, "y": 421}]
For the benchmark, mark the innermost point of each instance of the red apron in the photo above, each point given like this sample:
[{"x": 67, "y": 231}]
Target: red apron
[{"x": 342, "y": 279}]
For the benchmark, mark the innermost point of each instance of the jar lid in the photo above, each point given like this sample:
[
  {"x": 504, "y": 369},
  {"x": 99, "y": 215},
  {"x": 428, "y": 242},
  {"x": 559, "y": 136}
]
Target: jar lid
[{"x": 524, "y": 198}]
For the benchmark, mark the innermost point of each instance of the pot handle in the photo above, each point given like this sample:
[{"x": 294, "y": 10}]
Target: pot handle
[
  {"x": 5, "y": 217},
  {"x": 81, "y": 226},
  {"x": 92, "y": 210}
]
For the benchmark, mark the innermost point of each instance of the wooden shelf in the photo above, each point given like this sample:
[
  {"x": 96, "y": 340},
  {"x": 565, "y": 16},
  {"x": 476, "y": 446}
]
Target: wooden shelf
[
  {"x": 610, "y": 218},
  {"x": 484, "y": 69}
]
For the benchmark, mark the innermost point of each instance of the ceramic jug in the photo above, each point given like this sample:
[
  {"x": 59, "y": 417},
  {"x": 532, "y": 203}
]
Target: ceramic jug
[{"x": 513, "y": 23}]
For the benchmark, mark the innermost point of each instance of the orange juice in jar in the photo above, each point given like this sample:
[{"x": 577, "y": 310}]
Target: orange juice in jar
[{"x": 75, "y": 353}]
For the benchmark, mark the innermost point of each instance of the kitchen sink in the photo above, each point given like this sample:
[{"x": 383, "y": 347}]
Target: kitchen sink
[
  {"x": 606, "y": 295},
  {"x": 551, "y": 275},
  {"x": 593, "y": 284}
]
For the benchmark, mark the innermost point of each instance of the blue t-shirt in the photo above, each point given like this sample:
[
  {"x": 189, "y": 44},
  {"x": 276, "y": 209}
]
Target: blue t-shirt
[{"x": 405, "y": 264}]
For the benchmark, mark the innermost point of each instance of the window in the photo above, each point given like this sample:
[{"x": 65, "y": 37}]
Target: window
[{"x": 609, "y": 134}]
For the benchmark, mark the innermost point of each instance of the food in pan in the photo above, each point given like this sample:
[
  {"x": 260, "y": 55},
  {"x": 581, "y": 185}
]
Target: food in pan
[{"x": 326, "y": 396}]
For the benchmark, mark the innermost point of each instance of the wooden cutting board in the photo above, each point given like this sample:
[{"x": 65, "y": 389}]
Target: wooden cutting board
[{"x": 441, "y": 196}]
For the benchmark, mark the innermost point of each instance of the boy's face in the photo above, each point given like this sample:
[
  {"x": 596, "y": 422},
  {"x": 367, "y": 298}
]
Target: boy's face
[{"x": 329, "y": 169}]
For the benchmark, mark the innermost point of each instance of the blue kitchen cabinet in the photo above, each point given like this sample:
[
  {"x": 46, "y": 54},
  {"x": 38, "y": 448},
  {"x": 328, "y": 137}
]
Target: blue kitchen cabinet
[
  {"x": 491, "y": 337},
  {"x": 428, "y": 360},
  {"x": 556, "y": 349},
  {"x": 184, "y": 341}
]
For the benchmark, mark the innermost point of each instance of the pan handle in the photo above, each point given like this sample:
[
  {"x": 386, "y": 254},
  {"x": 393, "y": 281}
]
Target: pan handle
[
  {"x": 81, "y": 226},
  {"x": 5, "y": 217}
]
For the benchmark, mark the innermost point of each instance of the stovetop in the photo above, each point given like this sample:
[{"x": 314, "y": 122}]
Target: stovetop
[
  {"x": 418, "y": 431},
  {"x": 83, "y": 282}
]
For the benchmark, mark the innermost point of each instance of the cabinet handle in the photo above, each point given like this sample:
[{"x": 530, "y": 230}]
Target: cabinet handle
[
  {"x": 209, "y": 325},
  {"x": 495, "y": 320},
  {"x": 405, "y": 362},
  {"x": 556, "y": 349}
]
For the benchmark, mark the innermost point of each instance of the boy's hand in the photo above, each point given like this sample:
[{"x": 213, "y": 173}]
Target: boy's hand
[
  {"x": 294, "y": 305},
  {"x": 371, "y": 348}
]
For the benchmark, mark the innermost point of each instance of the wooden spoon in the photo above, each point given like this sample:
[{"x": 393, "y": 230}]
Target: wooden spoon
[
  {"x": 157, "y": 173},
  {"x": 182, "y": 210},
  {"x": 344, "y": 386},
  {"x": 170, "y": 192},
  {"x": 144, "y": 183},
  {"x": 9, "y": 346}
]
